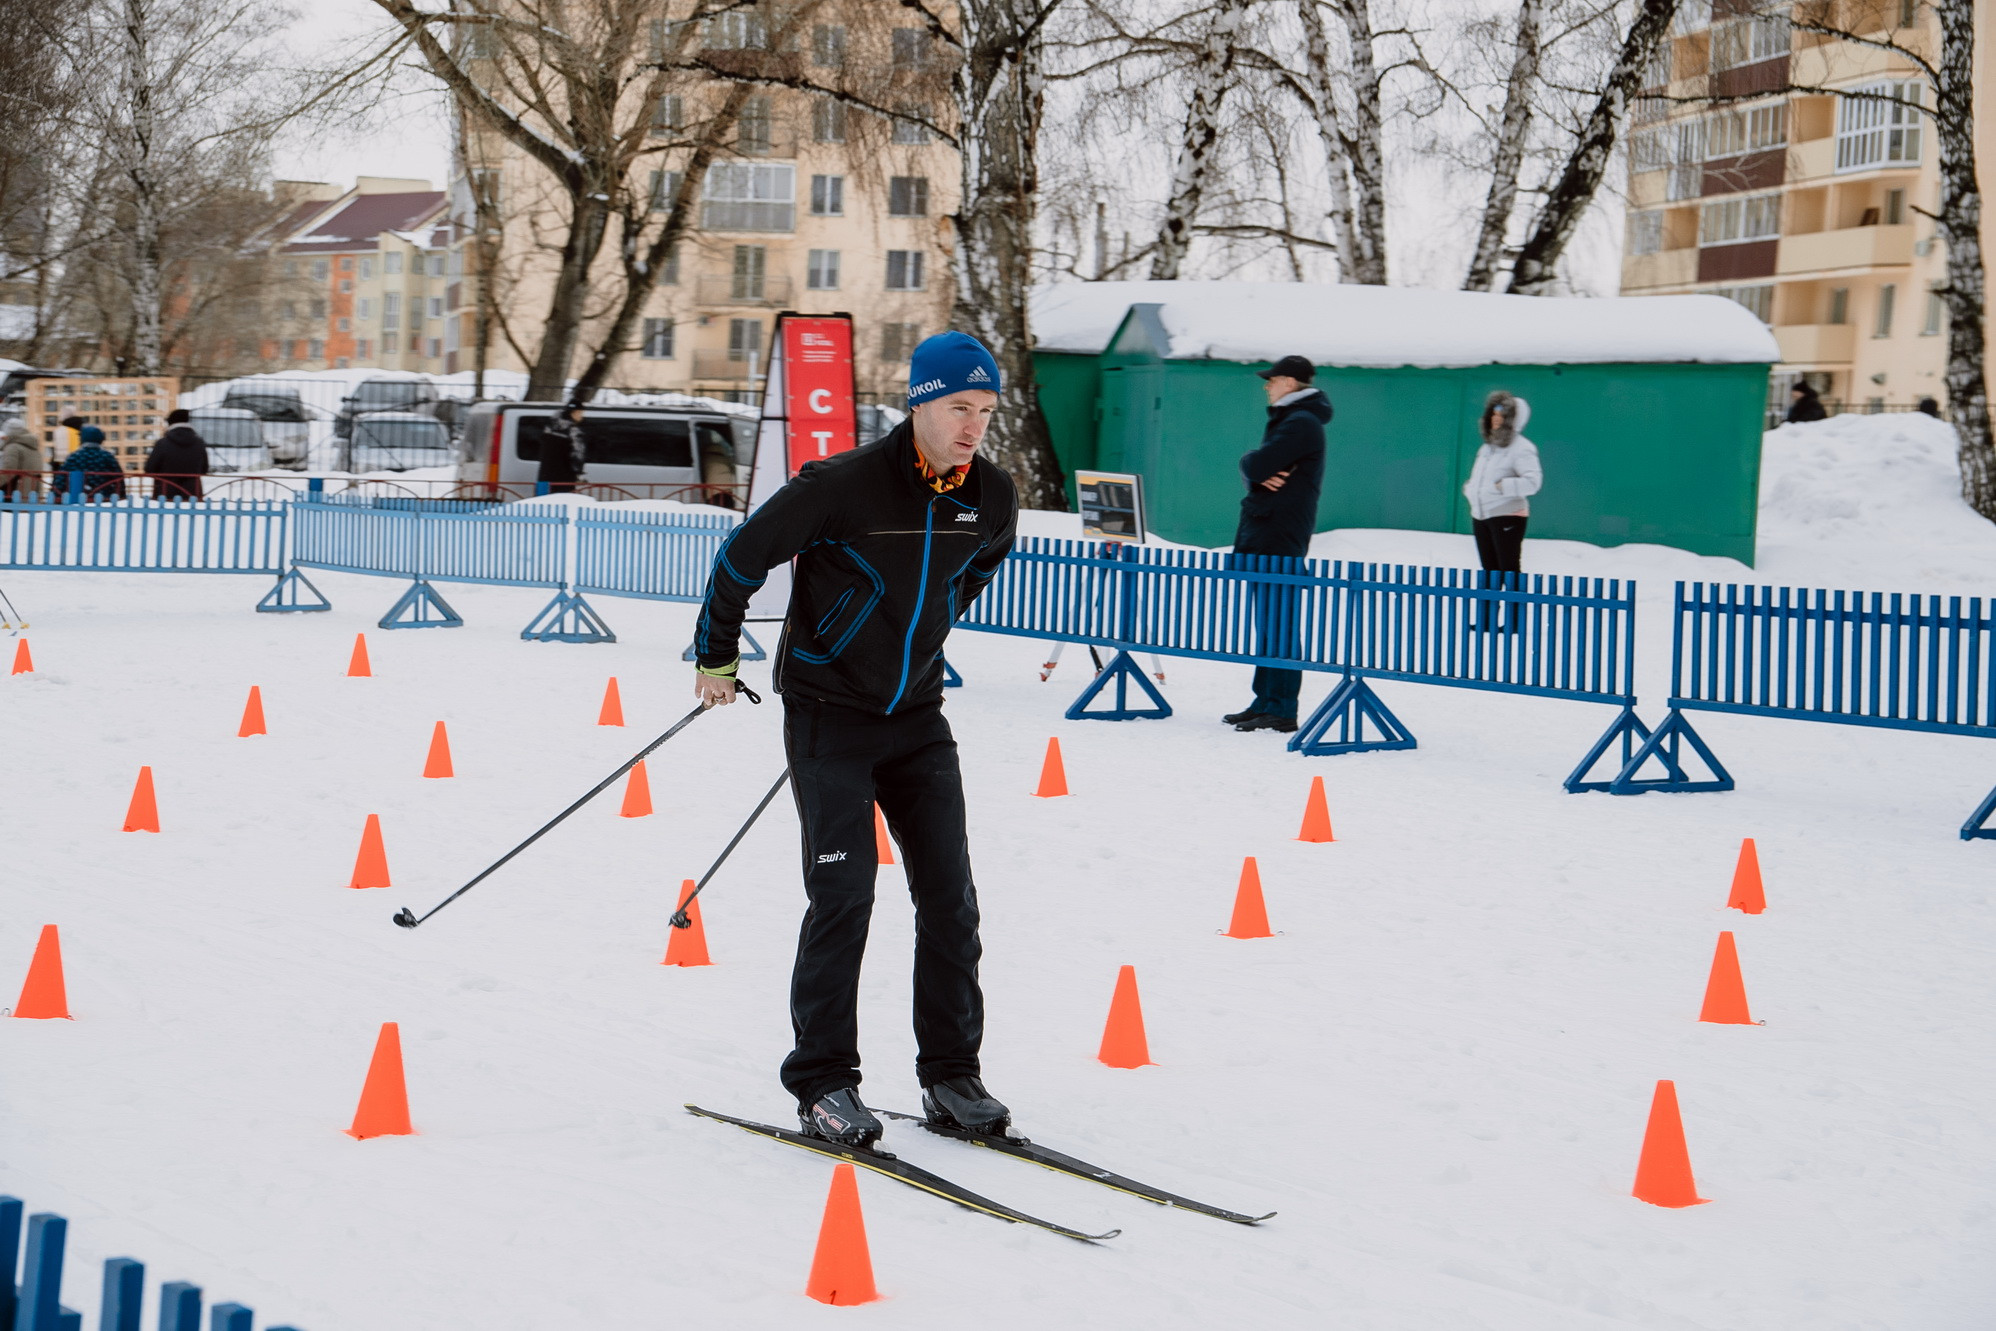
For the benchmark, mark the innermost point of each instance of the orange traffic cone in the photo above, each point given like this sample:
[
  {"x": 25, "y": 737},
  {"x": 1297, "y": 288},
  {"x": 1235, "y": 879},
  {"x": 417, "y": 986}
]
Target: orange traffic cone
[
  {"x": 438, "y": 763},
  {"x": 142, "y": 814},
  {"x": 842, "y": 1268},
  {"x": 1250, "y": 914},
  {"x": 370, "y": 867},
  {"x": 252, "y": 715},
  {"x": 688, "y": 946},
  {"x": 357, "y": 666},
  {"x": 883, "y": 845},
  {"x": 24, "y": 660},
  {"x": 1663, "y": 1175},
  {"x": 43, "y": 995},
  {"x": 613, "y": 706},
  {"x": 1316, "y": 814},
  {"x": 637, "y": 794},
  {"x": 1123, "y": 1043},
  {"x": 1053, "y": 776},
  {"x": 384, "y": 1097},
  {"x": 1747, "y": 894},
  {"x": 1725, "y": 991}
]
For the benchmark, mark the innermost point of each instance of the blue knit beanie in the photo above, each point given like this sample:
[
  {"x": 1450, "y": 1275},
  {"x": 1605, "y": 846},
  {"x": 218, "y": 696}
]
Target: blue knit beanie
[
  {"x": 90, "y": 434},
  {"x": 949, "y": 363}
]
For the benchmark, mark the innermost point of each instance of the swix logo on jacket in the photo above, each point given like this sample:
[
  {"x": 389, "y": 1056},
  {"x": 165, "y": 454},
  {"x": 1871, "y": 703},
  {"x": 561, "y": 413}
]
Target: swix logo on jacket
[
  {"x": 884, "y": 565},
  {"x": 832, "y": 858}
]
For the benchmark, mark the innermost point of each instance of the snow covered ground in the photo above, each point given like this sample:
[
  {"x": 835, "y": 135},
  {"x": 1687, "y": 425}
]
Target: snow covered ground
[{"x": 1438, "y": 1073}]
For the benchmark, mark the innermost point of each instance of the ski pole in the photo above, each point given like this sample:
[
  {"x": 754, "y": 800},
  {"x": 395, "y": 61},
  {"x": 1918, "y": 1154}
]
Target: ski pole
[
  {"x": 408, "y": 920},
  {"x": 680, "y": 919},
  {"x": 15, "y": 621}
]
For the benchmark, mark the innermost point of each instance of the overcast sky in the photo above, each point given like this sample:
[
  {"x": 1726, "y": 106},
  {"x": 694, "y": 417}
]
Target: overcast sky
[{"x": 409, "y": 137}]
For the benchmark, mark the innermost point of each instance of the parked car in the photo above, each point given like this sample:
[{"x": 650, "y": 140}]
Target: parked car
[
  {"x": 16, "y": 381},
  {"x": 873, "y": 422},
  {"x": 285, "y": 420},
  {"x": 395, "y": 441},
  {"x": 234, "y": 437},
  {"x": 627, "y": 445},
  {"x": 375, "y": 395}
]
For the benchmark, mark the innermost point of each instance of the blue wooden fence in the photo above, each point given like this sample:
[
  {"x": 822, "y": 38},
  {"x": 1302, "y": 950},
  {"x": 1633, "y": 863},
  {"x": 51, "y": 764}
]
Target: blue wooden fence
[
  {"x": 36, "y": 1303},
  {"x": 655, "y": 556},
  {"x": 144, "y": 535}
]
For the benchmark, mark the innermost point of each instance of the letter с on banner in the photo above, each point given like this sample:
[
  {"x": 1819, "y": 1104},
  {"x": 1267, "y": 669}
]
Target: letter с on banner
[{"x": 818, "y": 388}]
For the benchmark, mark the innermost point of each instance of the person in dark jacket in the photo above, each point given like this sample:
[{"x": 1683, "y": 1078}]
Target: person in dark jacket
[
  {"x": 103, "y": 477},
  {"x": 1284, "y": 478},
  {"x": 1804, "y": 404},
  {"x": 564, "y": 452},
  {"x": 891, "y": 543},
  {"x": 179, "y": 460}
]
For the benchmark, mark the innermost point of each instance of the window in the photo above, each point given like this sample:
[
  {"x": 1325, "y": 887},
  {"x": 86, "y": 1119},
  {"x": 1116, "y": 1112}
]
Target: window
[
  {"x": 1748, "y": 41},
  {"x": 904, "y": 270},
  {"x": 1839, "y": 305},
  {"x": 908, "y": 196},
  {"x": 291, "y": 268},
  {"x": 362, "y": 349},
  {"x": 347, "y": 285},
  {"x": 1646, "y": 231},
  {"x": 346, "y": 325},
  {"x": 909, "y": 131},
  {"x": 822, "y": 272},
  {"x": 390, "y": 343},
  {"x": 1888, "y": 295},
  {"x": 343, "y": 363},
  {"x": 436, "y": 265},
  {"x": 391, "y": 311},
  {"x": 828, "y": 44},
  {"x": 436, "y": 307},
  {"x": 1936, "y": 312},
  {"x": 1687, "y": 172},
  {"x": 366, "y": 310},
  {"x": 664, "y": 189},
  {"x": 1656, "y": 74},
  {"x": 315, "y": 349},
  {"x": 669, "y": 116},
  {"x": 828, "y": 196},
  {"x": 485, "y": 184},
  {"x": 1732, "y": 133},
  {"x": 1881, "y": 126},
  {"x": 391, "y": 264},
  {"x": 317, "y": 309},
  {"x": 1750, "y": 217},
  {"x": 477, "y": 41},
  {"x": 1759, "y": 299},
  {"x": 1909, "y": 13},
  {"x": 321, "y": 269},
  {"x": 897, "y": 340},
  {"x": 657, "y": 344},
  {"x": 911, "y": 48},
  {"x": 666, "y": 35},
  {"x": 367, "y": 270},
  {"x": 287, "y": 309},
  {"x": 754, "y": 126},
  {"x": 751, "y": 264},
  {"x": 671, "y": 274},
  {"x": 744, "y": 338},
  {"x": 750, "y": 196},
  {"x": 1895, "y": 207},
  {"x": 436, "y": 347},
  {"x": 828, "y": 121},
  {"x": 737, "y": 30}
]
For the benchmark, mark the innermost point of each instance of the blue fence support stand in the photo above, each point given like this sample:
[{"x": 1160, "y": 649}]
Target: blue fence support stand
[
  {"x": 951, "y": 680},
  {"x": 1339, "y": 723},
  {"x": 285, "y": 598},
  {"x": 421, "y": 608},
  {"x": 1664, "y": 746},
  {"x": 1627, "y": 728},
  {"x": 567, "y": 618},
  {"x": 179, "y": 1306},
  {"x": 230, "y": 1317},
  {"x": 1977, "y": 828},
  {"x": 11, "y": 1209},
  {"x": 1122, "y": 668},
  {"x": 124, "y": 1294}
]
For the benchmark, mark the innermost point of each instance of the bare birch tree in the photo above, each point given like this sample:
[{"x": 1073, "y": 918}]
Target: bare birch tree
[
  {"x": 1513, "y": 132},
  {"x": 1212, "y": 75}
]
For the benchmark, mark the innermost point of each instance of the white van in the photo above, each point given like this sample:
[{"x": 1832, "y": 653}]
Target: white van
[{"x": 655, "y": 447}]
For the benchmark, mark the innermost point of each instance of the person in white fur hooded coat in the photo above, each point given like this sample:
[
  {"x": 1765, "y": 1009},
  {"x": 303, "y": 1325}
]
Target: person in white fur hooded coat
[{"x": 1504, "y": 477}]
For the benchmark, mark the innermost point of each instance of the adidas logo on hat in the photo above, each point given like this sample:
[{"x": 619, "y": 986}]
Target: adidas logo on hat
[{"x": 977, "y": 375}]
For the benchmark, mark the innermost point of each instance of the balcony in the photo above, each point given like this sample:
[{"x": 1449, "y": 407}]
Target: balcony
[
  {"x": 711, "y": 366},
  {"x": 1813, "y": 160},
  {"x": 726, "y": 289},
  {"x": 1666, "y": 268},
  {"x": 1812, "y": 344},
  {"x": 1850, "y": 247}
]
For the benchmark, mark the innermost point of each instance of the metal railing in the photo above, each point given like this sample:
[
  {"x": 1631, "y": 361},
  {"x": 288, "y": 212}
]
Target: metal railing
[{"x": 742, "y": 289}]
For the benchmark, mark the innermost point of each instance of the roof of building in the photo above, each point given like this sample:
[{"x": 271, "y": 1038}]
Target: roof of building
[
  {"x": 1368, "y": 326},
  {"x": 357, "y": 221}
]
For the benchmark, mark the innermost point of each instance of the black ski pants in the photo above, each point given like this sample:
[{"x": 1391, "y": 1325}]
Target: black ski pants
[{"x": 841, "y": 761}]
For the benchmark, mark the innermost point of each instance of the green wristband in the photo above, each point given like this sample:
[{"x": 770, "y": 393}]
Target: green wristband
[{"x": 720, "y": 672}]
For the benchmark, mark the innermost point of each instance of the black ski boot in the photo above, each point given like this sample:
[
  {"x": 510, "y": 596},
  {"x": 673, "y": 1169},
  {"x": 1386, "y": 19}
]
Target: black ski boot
[
  {"x": 964, "y": 1104},
  {"x": 840, "y": 1118}
]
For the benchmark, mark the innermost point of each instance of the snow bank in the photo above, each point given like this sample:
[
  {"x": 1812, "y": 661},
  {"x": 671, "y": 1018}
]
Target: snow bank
[{"x": 1393, "y": 326}]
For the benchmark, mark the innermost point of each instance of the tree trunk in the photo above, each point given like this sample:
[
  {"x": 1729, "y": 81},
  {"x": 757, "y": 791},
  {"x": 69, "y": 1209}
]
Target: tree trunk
[
  {"x": 1538, "y": 260},
  {"x": 1324, "y": 111},
  {"x": 1368, "y": 162},
  {"x": 147, "y": 286},
  {"x": 1000, "y": 95},
  {"x": 589, "y": 224},
  {"x": 1212, "y": 73},
  {"x": 1960, "y": 224},
  {"x": 1510, "y": 152}
]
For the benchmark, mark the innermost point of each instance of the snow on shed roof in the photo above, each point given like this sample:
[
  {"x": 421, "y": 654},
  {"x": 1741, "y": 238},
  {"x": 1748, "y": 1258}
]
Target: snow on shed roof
[{"x": 1389, "y": 326}]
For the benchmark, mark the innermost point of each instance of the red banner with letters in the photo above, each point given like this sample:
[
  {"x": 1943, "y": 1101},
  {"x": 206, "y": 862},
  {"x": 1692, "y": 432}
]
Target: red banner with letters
[{"x": 817, "y": 387}]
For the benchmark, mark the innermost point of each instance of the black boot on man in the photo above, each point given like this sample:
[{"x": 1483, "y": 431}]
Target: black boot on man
[
  {"x": 963, "y": 1103},
  {"x": 1235, "y": 718},
  {"x": 841, "y": 1118},
  {"x": 1268, "y": 721}
]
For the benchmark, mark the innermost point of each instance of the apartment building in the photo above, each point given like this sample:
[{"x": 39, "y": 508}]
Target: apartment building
[
  {"x": 363, "y": 278},
  {"x": 1804, "y": 208},
  {"x": 813, "y": 206}
]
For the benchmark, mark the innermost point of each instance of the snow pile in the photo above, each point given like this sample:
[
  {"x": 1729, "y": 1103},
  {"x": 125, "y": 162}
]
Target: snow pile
[{"x": 1343, "y": 325}]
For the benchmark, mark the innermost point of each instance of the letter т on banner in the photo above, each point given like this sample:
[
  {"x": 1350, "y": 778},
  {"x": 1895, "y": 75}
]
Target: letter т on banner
[{"x": 808, "y": 397}]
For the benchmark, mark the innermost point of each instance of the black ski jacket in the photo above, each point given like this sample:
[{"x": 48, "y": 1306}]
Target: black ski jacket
[
  {"x": 884, "y": 567},
  {"x": 1281, "y": 522}
]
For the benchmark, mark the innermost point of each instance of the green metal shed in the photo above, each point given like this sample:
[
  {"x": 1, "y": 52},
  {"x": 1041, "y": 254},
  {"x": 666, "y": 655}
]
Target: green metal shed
[{"x": 1647, "y": 411}]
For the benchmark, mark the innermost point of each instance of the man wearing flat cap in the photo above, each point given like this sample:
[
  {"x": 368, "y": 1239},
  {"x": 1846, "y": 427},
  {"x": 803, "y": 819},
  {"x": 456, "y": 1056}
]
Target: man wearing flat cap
[{"x": 1278, "y": 516}]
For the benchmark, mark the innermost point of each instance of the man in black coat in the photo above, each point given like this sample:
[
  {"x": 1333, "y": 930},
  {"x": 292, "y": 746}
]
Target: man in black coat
[
  {"x": 179, "y": 460},
  {"x": 1278, "y": 516},
  {"x": 564, "y": 452},
  {"x": 891, "y": 543}
]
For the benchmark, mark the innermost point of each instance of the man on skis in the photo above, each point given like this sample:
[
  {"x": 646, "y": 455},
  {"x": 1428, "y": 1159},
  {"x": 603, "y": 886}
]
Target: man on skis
[{"x": 892, "y": 542}]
